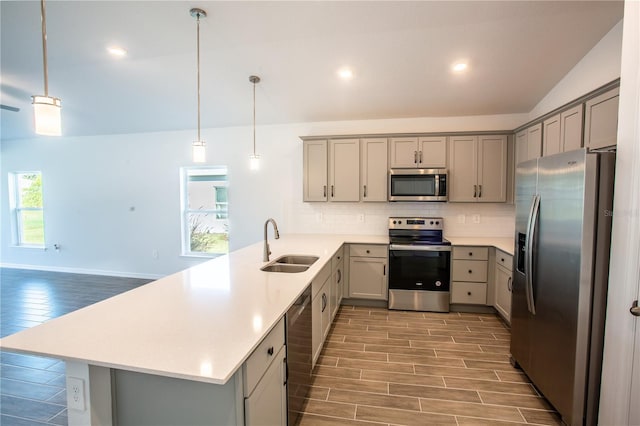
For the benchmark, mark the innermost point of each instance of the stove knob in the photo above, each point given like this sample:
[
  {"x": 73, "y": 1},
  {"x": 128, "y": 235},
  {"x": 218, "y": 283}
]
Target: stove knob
[
  {"x": 399, "y": 222},
  {"x": 394, "y": 222},
  {"x": 438, "y": 283},
  {"x": 437, "y": 222},
  {"x": 431, "y": 223}
]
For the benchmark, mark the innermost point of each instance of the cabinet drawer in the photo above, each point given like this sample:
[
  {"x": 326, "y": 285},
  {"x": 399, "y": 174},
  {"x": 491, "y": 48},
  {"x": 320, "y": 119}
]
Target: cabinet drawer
[
  {"x": 504, "y": 259},
  {"x": 469, "y": 270},
  {"x": 469, "y": 293},
  {"x": 262, "y": 357},
  {"x": 320, "y": 279},
  {"x": 471, "y": 253},
  {"x": 368, "y": 250}
]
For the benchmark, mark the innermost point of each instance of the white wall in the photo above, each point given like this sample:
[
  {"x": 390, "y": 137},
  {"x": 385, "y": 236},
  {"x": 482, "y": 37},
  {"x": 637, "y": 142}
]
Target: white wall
[
  {"x": 111, "y": 200},
  {"x": 597, "y": 68}
]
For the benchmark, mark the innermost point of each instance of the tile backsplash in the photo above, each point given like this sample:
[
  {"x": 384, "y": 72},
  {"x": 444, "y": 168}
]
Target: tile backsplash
[{"x": 460, "y": 219}]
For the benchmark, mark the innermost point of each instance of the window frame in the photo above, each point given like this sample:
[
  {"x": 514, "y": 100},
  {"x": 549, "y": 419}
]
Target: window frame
[
  {"x": 185, "y": 211},
  {"x": 16, "y": 209}
]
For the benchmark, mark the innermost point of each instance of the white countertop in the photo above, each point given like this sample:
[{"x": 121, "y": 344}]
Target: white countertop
[
  {"x": 199, "y": 324},
  {"x": 505, "y": 244}
]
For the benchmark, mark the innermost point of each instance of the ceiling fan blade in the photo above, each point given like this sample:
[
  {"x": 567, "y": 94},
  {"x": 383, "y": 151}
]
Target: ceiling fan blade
[{"x": 9, "y": 108}]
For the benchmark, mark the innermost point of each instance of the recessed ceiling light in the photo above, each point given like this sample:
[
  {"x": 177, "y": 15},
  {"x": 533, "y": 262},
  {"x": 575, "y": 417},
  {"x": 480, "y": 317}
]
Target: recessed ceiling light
[
  {"x": 117, "y": 51},
  {"x": 459, "y": 67},
  {"x": 345, "y": 73}
]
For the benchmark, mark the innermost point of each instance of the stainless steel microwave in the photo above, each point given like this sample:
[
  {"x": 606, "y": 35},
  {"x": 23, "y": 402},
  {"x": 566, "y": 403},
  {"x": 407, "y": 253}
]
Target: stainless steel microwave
[{"x": 417, "y": 185}]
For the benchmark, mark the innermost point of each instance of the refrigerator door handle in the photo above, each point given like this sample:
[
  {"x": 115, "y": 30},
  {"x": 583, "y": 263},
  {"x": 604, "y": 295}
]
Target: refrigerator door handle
[{"x": 531, "y": 236}]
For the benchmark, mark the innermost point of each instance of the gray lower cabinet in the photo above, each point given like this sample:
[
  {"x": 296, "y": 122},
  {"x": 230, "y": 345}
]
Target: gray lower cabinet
[
  {"x": 321, "y": 288},
  {"x": 469, "y": 275},
  {"x": 368, "y": 271},
  {"x": 337, "y": 281},
  {"x": 255, "y": 395}
]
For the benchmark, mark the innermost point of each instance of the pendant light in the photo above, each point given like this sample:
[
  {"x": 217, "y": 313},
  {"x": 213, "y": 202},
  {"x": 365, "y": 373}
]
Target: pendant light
[
  {"x": 254, "y": 159},
  {"x": 46, "y": 108},
  {"x": 198, "y": 146}
]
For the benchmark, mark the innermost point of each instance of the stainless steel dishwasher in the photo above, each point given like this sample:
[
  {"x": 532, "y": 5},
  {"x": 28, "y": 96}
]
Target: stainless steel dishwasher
[{"x": 298, "y": 356}]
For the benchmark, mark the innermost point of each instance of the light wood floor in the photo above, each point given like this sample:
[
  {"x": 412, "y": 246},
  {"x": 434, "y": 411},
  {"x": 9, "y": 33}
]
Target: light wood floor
[{"x": 414, "y": 368}]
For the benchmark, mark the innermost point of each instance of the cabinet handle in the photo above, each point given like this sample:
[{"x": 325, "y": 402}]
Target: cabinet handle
[
  {"x": 331, "y": 191},
  {"x": 468, "y": 293},
  {"x": 324, "y": 301},
  {"x": 510, "y": 284},
  {"x": 421, "y": 157},
  {"x": 368, "y": 252},
  {"x": 475, "y": 191},
  {"x": 339, "y": 275},
  {"x": 415, "y": 157},
  {"x": 365, "y": 191},
  {"x": 384, "y": 269},
  {"x": 325, "y": 191},
  {"x": 502, "y": 259},
  {"x": 470, "y": 271},
  {"x": 479, "y": 191},
  {"x": 270, "y": 351},
  {"x": 286, "y": 371},
  {"x": 470, "y": 254}
]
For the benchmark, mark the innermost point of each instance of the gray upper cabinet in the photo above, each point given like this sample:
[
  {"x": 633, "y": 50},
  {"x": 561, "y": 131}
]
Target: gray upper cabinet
[
  {"x": 344, "y": 170},
  {"x": 373, "y": 169},
  {"x": 315, "y": 170},
  {"x": 563, "y": 132},
  {"x": 601, "y": 120},
  {"x": 478, "y": 169},
  {"x": 429, "y": 152},
  {"x": 529, "y": 143}
]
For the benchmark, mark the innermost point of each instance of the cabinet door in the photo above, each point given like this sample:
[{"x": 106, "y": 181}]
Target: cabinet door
[
  {"x": 463, "y": 168},
  {"x": 267, "y": 404},
  {"x": 326, "y": 310},
  {"x": 315, "y": 171},
  {"x": 368, "y": 278},
  {"x": 403, "y": 153},
  {"x": 552, "y": 143},
  {"x": 344, "y": 170},
  {"x": 336, "y": 290},
  {"x": 432, "y": 152},
  {"x": 374, "y": 169},
  {"x": 534, "y": 141},
  {"x": 521, "y": 147},
  {"x": 571, "y": 128},
  {"x": 503, "y": 292},
  {"x": 601, "y": 120},
  {"x": 316, "y": 325},
  {"x": 492, "y": 169}
]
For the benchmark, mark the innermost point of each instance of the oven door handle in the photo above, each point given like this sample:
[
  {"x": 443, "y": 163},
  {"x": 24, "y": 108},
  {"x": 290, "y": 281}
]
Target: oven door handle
[{"x": 402, "y": 247}]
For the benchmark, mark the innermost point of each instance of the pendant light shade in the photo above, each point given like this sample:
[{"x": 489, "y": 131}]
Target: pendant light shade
[
  {"x": 46, "y": 109},
  {"x": 198, "y": 147},
  {"x": 254, "y": 159}
]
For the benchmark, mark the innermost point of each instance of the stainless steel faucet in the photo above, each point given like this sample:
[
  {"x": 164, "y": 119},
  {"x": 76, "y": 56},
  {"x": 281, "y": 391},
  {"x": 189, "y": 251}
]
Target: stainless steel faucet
[{"x": 267, "y": 252}]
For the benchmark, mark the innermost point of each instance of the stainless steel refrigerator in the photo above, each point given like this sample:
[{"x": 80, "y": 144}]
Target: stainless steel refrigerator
[{"x": 563, "y": 232}]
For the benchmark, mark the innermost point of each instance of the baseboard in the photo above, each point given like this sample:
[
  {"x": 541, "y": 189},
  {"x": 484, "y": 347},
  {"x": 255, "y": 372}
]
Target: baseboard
[{"x": 81, "y": 271}]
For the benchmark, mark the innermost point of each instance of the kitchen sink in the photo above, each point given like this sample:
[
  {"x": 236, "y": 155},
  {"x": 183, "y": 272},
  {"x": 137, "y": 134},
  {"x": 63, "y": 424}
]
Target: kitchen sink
[
  {"x": 296, "y": 259},
  {"x": 290, "y": 263},
  {"x": 284, "y": 267}
]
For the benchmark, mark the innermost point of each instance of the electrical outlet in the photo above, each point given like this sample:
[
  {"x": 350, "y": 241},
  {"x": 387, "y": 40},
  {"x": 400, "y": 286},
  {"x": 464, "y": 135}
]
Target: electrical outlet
[
  {"x": 75, "y": 393},
  {"x": 462, "y": 218},
  {"x": 476, "y": 218},
  {"x": 360, "y": 218},
  {"x": 155, "y": 253}
]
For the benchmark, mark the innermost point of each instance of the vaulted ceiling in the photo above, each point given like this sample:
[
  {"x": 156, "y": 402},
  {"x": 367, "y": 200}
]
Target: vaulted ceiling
[{"x": 400, "y": 53}]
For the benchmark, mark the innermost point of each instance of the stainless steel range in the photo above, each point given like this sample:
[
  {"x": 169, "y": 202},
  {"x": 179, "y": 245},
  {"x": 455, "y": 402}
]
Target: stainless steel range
[{"x": 419, "y": 264}]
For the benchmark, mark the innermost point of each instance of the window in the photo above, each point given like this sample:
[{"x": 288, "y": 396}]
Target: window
[
  {"x": 205, "y": 217},
  {"x": 27, "y": 213}
]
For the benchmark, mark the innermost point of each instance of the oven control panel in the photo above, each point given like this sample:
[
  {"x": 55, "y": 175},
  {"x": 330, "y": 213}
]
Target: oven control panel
[{"x": 416, "y": 223}]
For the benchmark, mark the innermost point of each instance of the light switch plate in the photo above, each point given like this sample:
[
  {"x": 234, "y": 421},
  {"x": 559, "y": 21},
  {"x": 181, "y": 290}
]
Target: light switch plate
[
  {"x": 476, "y": 218},
  {"x": 462, "y": 218}
]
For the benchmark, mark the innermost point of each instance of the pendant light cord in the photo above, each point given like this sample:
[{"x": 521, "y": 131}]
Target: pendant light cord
[
  {"x": 198, "y": 78},
  {"x": 43, "y": 17},
  {"x": 254, "y": 118}
]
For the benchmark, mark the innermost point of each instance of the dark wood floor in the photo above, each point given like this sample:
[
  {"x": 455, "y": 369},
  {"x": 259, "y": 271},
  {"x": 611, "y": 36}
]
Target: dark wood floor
[{"x": 32, "y": 389}]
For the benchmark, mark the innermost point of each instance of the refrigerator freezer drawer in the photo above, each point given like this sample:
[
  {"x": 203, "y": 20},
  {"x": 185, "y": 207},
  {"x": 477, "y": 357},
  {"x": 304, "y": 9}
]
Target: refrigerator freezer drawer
[
  {"x": 471, "y": 253},
  {"x": 469, "y": 293},
  {"x": 469, "y": 270}
]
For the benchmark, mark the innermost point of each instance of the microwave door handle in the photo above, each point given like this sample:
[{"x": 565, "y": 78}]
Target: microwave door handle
[{"x": 437, "y": 189}]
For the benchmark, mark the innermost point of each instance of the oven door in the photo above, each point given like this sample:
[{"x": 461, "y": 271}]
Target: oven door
[{"x": 414, "y": 267}]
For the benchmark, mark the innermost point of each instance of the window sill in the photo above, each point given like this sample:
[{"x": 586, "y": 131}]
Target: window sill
[
  {"x": 201, "y": 256},
  {"x": 24, "y": 246}
]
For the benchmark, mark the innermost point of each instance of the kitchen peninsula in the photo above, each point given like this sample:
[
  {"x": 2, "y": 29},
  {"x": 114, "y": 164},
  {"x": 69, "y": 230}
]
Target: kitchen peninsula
[{"x": 178, "y": 345}]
